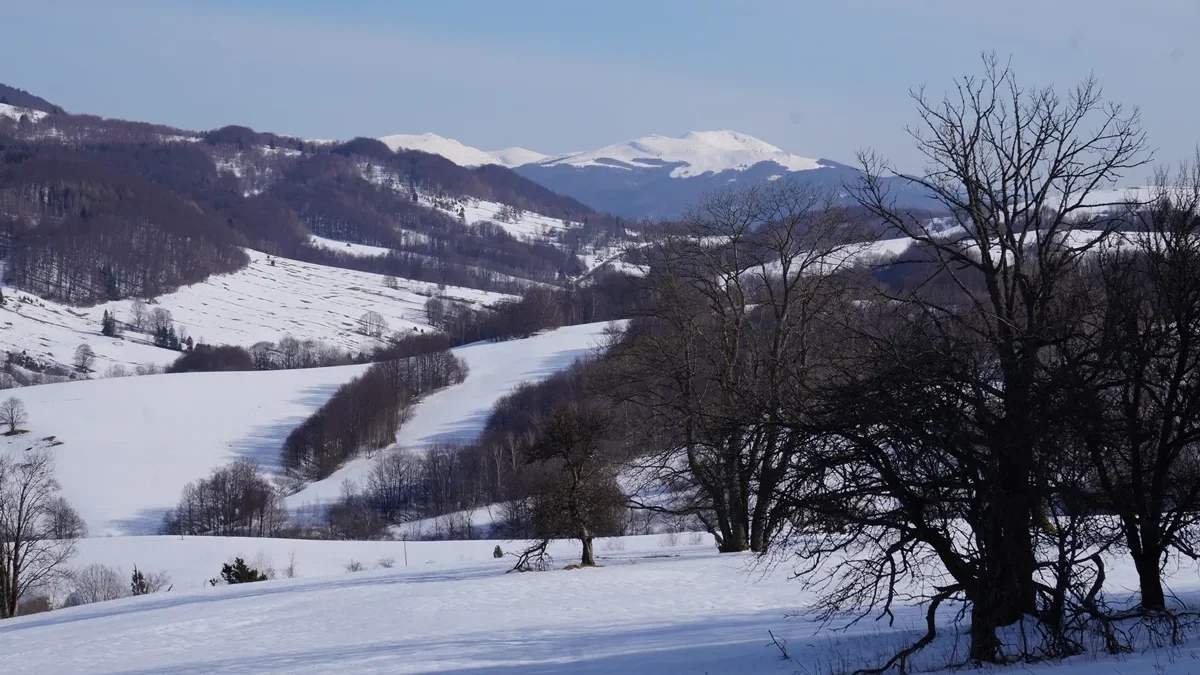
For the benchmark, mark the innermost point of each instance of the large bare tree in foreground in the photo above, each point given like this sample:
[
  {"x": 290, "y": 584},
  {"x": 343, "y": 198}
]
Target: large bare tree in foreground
[
  {"x": 30, "y": 555},
  {"x": 955, "y": 388}
]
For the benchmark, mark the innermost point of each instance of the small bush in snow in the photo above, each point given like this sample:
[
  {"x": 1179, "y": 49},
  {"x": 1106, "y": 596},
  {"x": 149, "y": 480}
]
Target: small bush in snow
[
  {"x": 695, "y": 539},
  {"x": 386, "y": 563},
  {"x": 354, "y": 566},
  {"x": 239, "y": 573},
  {"x": 144, "y": 584},
  {"x": 96, "y": 583},
  {"x": 497, "y": 552},
  {"x": 669, "y": 540},
  {"x": 290, "y": 570}
]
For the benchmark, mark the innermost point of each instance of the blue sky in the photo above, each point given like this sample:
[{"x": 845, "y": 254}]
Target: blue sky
[{"x": 817, "y": 79}]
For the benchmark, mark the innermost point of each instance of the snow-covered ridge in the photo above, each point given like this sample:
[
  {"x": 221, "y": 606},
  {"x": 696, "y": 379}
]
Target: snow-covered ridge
[
  {"x": 460, "y": 154},
  {"x": 693, "y": 154},
  {"x": 516, "y": 156}
]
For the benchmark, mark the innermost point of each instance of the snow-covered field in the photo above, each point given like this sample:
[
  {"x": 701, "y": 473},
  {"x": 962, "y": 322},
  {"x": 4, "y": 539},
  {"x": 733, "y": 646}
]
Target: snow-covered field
[
  {"x": 356, "y": 250},
  {"x": 457, "y": 414},
  {"x": 656, "y": 606},
  {"x": 263, "y": 301},
  {"x": 129, "y": 445}
]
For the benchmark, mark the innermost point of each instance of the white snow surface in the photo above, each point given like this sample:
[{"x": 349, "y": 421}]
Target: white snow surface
[
  {"x": 695, "y": 153},
  {"x": 459, "y": 153},
  {"x": 656, "y": 606},
  {"x": 264, "y": 301},
  {"x": 356, "y": 250},
  {"x": 517, "y": 156},
  {"x": 462, "y": 155},
  {"x": 14, "y": 112},
  {"x": 259, "y": 302},
  {"x": 458, "y": 413},
  {"x": 130, "y": 445}
]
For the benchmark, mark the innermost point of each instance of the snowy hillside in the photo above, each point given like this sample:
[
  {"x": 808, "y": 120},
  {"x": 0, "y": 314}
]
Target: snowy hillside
[
  {"x": 129, "y": 445},
  {"x": 520, "y": 224},
  {"x": 13, "y": 112},
  {"x": 693, "y": 154},
  {"x": 656, "y": 606},
  {"x": 457, "y": 414},
  {"x": 263, "y": 301}
]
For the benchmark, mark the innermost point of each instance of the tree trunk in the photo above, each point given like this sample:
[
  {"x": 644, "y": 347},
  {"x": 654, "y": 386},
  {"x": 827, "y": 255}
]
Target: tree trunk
[
  {"x": 735, "y": 540},
  {"x": 588, "y": 559},
  {"x": 1153, "y": 598},
  {"x": 985, "y": 647}
]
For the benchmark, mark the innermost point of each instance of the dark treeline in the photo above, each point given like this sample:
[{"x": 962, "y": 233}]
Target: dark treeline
[
  {"x": 289, "y": 353},
  {"x": 78, "y": 232},
  {"x": 364, "y": 414},
  {"x": 23, "y": 99}
]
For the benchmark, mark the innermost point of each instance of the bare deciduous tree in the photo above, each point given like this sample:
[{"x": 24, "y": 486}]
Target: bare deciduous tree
[
  {"x": 578, "y": 495},
  {"x": 1141, "y": 417},
  {"x": 137, "y": 315},
  {"x": 372, "y": 324},
  {"x": 12, "y": 414},
  {"x": 85, "y": 356},
  {"x": 30, "y": 554},
  {"x": 65, "y": 521},
  {"x": 730, "y": 338},
  {"x": 954, "y": 407},
  {"x": 96, "y": 583}
]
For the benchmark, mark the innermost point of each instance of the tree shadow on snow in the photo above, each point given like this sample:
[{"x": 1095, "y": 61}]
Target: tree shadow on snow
[{"x": 264, "y": 442}]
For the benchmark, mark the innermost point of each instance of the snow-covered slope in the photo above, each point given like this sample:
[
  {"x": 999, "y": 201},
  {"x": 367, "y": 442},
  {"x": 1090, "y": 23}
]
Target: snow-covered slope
[
  {"x": 522, "y": 225},
  {"x": 263, "y": 301},
  {"x": 16, "y": 113},
  {"x": 692, "y": 154},
  {"x": 457, "y": 414},
  {"x": 129, "y": 445},
  {"x": 652, "y": 608}
]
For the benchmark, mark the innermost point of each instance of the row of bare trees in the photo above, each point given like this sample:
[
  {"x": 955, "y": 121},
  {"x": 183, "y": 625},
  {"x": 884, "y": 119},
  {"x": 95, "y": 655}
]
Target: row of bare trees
[
  {"x": 989, "y": 422},
  {"x": 364, "y": 414},
  {"x": 236, "y": 500}
]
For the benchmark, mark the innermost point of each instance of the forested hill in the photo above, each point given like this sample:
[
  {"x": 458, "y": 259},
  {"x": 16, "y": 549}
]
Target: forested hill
[{"x": 95, "y": 209}]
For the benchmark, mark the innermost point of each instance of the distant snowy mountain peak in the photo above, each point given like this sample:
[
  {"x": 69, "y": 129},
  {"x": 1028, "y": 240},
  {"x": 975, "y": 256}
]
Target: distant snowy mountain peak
[
  {"x": 462, "y": 155},
  {"x": 516, "y": 156},
  {"x": 692, "y": 154}
]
